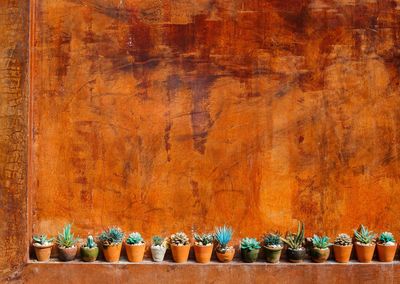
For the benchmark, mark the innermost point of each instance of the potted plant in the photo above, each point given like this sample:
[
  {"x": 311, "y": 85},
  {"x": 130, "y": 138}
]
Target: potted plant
[
  {"x": 134, "y": 246},
  {"x": 320, "y": 250},
  {"x": 111, "y": 241},
  {"x": 223, "y": 236},
  {"x": 89, "y": 251},
  {"x": 342, "y": 248},
  {"x": 66, "y": 244},
  {"x": 180, "y": 247},
  {"x": 272, "y": 247},
  {"x": 158, "y": 248},
  {"x": 365, "y": 244},
  {"x": 386, "y": 247},
  {"x": 203, "y": 247},
  {"x": 249, "y": 248},
  {"x": 42, "y": 246},
  {"x": 295, "y": 250}
]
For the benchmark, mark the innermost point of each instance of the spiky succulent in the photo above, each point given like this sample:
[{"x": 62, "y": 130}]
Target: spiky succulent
[
  {"x": 343, "y": 240},
  {"x": 66, "y": 238},
  {"x": 42, "y": 240},
  {"x": 159, "y": 241},
  {"x": 179, "y": 239},
  {"x": 295, "y": 241},
  {"x": 90, "y": 243},
  {"x": 386, "y": 237},
  {"x": 272, "y": 240},
  {"x": 203, "y": 239},
  {"x": 134, "y": 238},
  {"x": 249, "y": 244},
  {"x": 321, "y": 242},
  {"x": 364, "y": 236},
  {"x": 111, "y": 236},
  {"x": 223, "y": 236}
]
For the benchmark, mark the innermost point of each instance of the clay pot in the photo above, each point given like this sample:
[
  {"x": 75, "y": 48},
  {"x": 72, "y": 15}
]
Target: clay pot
[
  {"x": 365, "y": 253},
  {"x": 319, "y": 255},
  {"x": 226, "y": 256},
  {"x": 272, "y": 254},
  {"x": 203, "y": 253},
  {"x": 342, "y": 253},
  {"x": 112, "y": 252},
  {"x": 158, "y": 253},
  {"x": 135, "y": 253},
  {"x": 42, "y": 252},
  {"x": 249, "y": 256},
  {"x": 386, "y": 253},
  {"x": 180, "y": 253},
  {"x": 67, "y": 254},
  {"x": 296, "y": 255},
  {"x": 89, "y": 254}
]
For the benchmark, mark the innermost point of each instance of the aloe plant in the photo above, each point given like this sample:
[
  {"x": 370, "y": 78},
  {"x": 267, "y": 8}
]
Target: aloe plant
[
  {"x": 321, "y": 242},
  {"x": 364, "y": 236},
  {"x": 295, "y": 241},
  {"x": 42, "y": 240},
  {"x": 66, "y": 238}
]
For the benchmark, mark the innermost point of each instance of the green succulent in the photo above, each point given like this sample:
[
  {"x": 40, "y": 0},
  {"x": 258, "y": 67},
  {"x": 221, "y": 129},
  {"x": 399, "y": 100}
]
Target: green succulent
[
  {"x": 249, "y": 244},
  {"x": 364, "y": 236},
  {"x": 90, "y": 243},
  {"x": 223, "y": 236},
  {"x": 295, "y": 241},
  {"x": 42, "y": 240},
  {"x": 134, "y": 239},
  {"x": 111, "y": 236},
  {"x": 343, "y": 240},
  {"x": 321, "y": 242},
  {"x": 159, "y": 241},
  {"x": 272, "y": 240},
  {"x": 203, "y": 239},
  {"x": 66, "y": 238},
  {"x": 386, "y": 237},
  {"x": 179, "y": 239}
]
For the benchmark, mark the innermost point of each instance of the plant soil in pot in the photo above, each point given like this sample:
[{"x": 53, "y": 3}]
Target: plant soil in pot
[
  {"x": 42, "y": 246},
  {"x": 134, "y": 246},
  {"x": 272, "y": 247},
  {"x": 66, "y": 244},
  {"x": 296, "y": 255},
  {"x": 342, "y": 248},
  {"x": 386, "y": 247},
  {"x": 295, "y": 251},
  {"x": 180, "y": 247},
  {"x": 223, "y": 236},
  {"x": 249, "y": 249},
  {"x": 365, "y": 245},
  {"x": 158, "y": 248},
  {"x": 111, "y": 241},
  {"x": 320, "y": 250},
  {"x": 203, "y": 247},
  {"x": 89, "y": 251}
]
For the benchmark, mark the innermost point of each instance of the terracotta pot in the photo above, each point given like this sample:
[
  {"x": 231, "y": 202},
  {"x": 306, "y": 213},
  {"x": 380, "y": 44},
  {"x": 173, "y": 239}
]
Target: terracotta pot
[
  {"x": 43, "y": 252},
  {"x": 386, "y": 253},
  {"x": 158, "y": 253},
  {"x": 342, "y": 253},
  {"x": 180, "y": 253},
  {"x": 203, "y": 253},
  {"x": 319, "y": 255},
  {"x": 272, "y": 254},
  {"x": 67, "y": 254},
  {"x": 112, "y": 253},
  {"x": 135, "y": 253},
  {"x": 249, "y": 256},
  {"x": 89, "y": 254},
  {"x": 365, "y": 253},
  {"x": 226, "y": 256},
  {"x": 296, "y": 255}
]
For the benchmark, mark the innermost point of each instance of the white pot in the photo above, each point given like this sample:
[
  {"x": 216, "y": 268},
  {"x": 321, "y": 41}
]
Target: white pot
[{"x": 158, "y": 252}]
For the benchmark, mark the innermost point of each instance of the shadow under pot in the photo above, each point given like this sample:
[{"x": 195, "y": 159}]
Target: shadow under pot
[
  {"x": 365, "y": 252},
  {"x": 67, "y": 254},
  {"x": 112, "y": 252},
  {"x": 272, "y": 254},
  {"x": 158, "y": 253},
  {"x": 386, "y": 253},
  {"x": 342, "y": 253},
  {"x": 135, "y": 252},
  {"x": 225, "y": 256},
  {"x": 319, "y": 255},
  {"x": 180, "y": 254},
  {"x": 89, "y": 254},
  {"x": 42, "y": 252},
  {"x": 296, "y": 255},
  {"x": 203, "y": 253},
  {"x": 249, "y": 256}
]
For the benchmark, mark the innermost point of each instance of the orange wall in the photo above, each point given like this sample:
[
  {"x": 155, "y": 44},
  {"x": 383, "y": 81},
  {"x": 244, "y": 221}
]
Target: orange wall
[{"x": 160, "y": 116}]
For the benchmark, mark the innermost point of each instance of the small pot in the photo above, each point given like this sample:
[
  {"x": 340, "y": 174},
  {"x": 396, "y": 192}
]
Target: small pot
[
  {"x": 296, "y": 255},
  {"x": 249, "y": 256},
  {"x": 158, "y": 253},
  {"x": 135, "y": 253},
  {"x": 319, "y": 255},
  {"x": 42, "y": 252},
  {"x": 386, "y": 253},
  {"x": 365, "y": 253},
  {"x": 226, "y": 256},
  {"x": 89, "y": 254},
  {"x": 342, "y": 253},
  {"x": 67, "y": 254},
  {"x": 203, "y": 253},
  {"x": 272, "y": 254},
  {"x": 180, "y": 253},
  {"x": 112, "y": 252}
]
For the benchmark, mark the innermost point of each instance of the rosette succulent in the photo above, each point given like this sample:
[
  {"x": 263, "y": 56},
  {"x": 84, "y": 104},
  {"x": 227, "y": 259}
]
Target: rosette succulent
[
  {"x": 179, "y": 239},
  {"x": 343, "y": 240}
]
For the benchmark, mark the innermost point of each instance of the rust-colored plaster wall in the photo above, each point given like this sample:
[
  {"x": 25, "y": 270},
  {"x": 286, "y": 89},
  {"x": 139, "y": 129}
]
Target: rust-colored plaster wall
[{"x": 160, "y": 115}]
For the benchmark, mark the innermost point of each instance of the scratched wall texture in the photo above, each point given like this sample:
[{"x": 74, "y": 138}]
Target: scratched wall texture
[{"x": 162, "y": 115}]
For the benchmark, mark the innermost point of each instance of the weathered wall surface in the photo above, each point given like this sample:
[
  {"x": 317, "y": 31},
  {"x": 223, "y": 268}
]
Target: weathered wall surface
[{"x": 162, "y": 115}]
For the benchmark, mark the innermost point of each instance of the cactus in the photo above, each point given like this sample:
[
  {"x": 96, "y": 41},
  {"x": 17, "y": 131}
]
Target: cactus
[
  {"x": 343, "y": 240},
  {"x": 295, "y": 241},
  {"x": 223, "y": 235},
  {"x": 364, "y": 236},
  {"x": 203, "y": 239},
  {"x": 249, "y": 244},
  {"x": 179, "y": 239},
  {"x": 134, "y": 239},
  {"x": 66, "y": 239},
  {"x": 272, "y": 240},
  {"x": 90, "y": 243},
  {"x": 42, "y": 240},
  {"x": 321, "y": 242},
  {"x": 386, "y": 237},
  {"x": 111, "y": 236}
]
